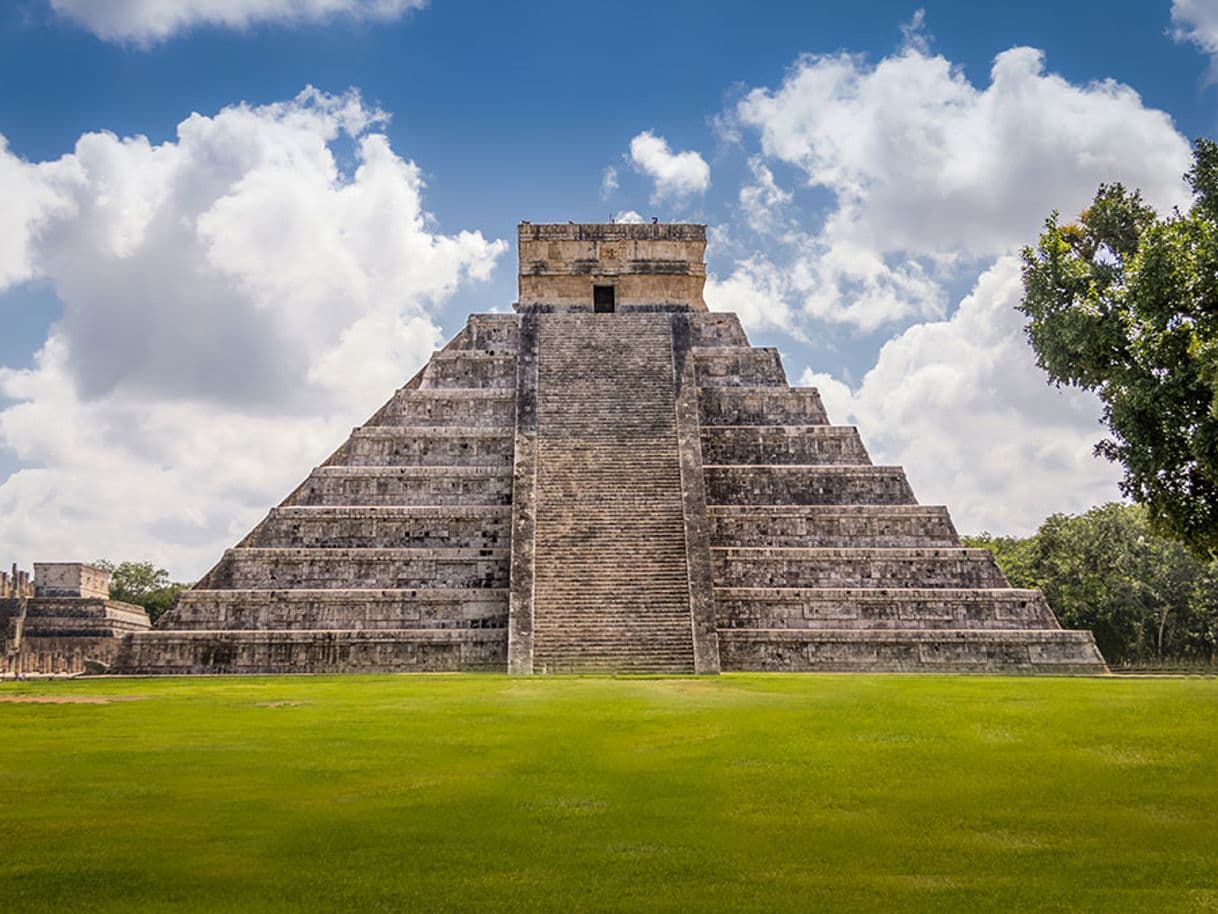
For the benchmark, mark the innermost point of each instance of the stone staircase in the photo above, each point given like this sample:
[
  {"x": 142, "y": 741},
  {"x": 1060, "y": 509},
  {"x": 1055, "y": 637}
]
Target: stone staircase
[{"x": 611, "y": 584}]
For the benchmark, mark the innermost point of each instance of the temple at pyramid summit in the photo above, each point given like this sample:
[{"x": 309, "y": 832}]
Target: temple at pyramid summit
[{"x": 608, "y": 478}]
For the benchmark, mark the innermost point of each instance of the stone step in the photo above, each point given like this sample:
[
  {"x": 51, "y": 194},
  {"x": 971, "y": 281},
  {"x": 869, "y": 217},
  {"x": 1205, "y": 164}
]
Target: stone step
[
  {"x": 470, "y": 368},
  {"x": 337, "y": 485},
  {"x": 319, "y": 609},
  {"x": 871, "y": 568},
  {"x": 253, "y": 568},
  {"x": 864, "y": 608},
  {"x": 387, "y": 526},
  {"x": 783, "y": 444},
  {"x": 425, "y": 445},
  {"x": 761, "y": 406},
  {"x": 909, "y": 650},
  {"x": 739, "y": 366},
  {"x": 755, "y": 484},
  {"x": 451, "y": 407},
  {"x": 330, "y": 651},
  {"x": 831, "y": 525}
]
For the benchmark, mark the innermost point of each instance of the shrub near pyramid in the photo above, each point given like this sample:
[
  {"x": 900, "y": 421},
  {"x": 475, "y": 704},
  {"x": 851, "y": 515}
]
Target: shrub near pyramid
[{"x": 609, "y": 479}]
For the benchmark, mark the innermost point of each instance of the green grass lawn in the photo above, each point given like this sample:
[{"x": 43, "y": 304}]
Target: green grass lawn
[{"x": 744, "y": 792}]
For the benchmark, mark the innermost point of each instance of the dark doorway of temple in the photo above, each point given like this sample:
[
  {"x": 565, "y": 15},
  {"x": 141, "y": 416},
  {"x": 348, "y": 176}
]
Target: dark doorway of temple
[{"x": 602, "y": 299}]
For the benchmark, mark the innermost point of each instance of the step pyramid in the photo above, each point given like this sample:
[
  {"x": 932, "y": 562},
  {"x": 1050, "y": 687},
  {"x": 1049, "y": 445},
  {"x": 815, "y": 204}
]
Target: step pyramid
[{"x": 606, "y": 481}]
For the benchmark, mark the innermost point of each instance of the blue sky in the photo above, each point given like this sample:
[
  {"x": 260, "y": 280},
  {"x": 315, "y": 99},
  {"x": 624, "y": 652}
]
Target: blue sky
[{"x": 865, "y": 169}]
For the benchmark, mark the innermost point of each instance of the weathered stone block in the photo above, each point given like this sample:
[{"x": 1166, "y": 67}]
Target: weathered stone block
[
  {"x": 387, "y": 526},
  {"x": 783, "y": 444},
  {"x": 762, "y": 406},
  {"x": 837, "y": 568},
  {"x": 831, "y": 525},
  {"x": 807, "y": 485},
  {"x": 739, "y": 366}
]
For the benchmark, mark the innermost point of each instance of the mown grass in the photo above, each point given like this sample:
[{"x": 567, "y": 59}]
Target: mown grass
[{"x": 471, "y": 793}]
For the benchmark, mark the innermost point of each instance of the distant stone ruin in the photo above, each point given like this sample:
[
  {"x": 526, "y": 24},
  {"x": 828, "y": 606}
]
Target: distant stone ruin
[
  {"x": 63, "y": 621},
  {"x": 609, "y": 479}
]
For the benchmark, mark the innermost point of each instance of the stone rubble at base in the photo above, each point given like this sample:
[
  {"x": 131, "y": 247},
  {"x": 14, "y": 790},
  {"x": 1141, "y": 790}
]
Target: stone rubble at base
[{"x": 560, "y": 490}]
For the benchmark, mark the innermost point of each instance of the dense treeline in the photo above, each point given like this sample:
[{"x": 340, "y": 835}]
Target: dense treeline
[{"x": 1149, "y": 600}]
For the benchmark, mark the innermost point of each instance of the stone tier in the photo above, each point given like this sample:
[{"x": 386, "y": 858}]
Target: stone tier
[
  {"x": 871, "y": 568},
  {"x": 909, "y": 650},
  {"x": 783, "y": 444},
  {"x": 425, "y": 445},
  {"x": 449, "y": 406},
  {"x": 246, "y": 568},
  {"x": 470, "y": 368},
  {"x": 716, "y": 329},
  {"x": 402, "y": 650},
  {"x": 342, "y": 485},
  {"x": 739, "y": 366},
  {"x": 384, "y": 527},
  {"x": 761, "y": 406},
  {"x": 491, "y": 332},
  {"x": 737, "y": 484},
  {"x": 831, "y": 525},
  {"x": 67, "y": 617},
  {"x": 870, "y": 609},
  {"x": 319, "y": 609}
]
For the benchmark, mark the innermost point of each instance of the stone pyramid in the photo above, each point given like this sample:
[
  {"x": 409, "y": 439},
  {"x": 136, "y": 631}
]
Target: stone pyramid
[{"x": 609, "y": 479}]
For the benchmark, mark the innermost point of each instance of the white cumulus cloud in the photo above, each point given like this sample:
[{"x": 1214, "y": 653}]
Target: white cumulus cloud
[
  {"x": 925, "y": 171},
  {"x": 149, "y": 21},
  {"x": 676, "y": 176},
  {"x": 961, "y": 404},
  {"x": 233, "y": 300},
  {"x": 1196, "y": 21}
]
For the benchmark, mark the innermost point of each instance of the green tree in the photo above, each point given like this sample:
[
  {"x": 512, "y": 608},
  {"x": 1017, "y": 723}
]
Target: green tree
[
  {"x": 143, "y": 584},
  {"x": 1125, "y": 304},
  {"x": 1147, "y": 599}
]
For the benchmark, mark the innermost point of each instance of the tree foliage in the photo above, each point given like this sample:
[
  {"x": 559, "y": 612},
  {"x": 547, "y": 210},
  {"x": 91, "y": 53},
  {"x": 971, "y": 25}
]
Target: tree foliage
[
  {"x": 1147, "y": 599},
  {"x": 1125, "y": 304},
  {"x": 143, "y": 584}
]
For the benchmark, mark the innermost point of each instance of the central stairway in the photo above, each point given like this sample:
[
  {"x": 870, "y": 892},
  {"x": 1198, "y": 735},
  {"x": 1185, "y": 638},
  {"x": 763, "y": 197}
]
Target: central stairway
[{"x": 611, "y": 584}]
